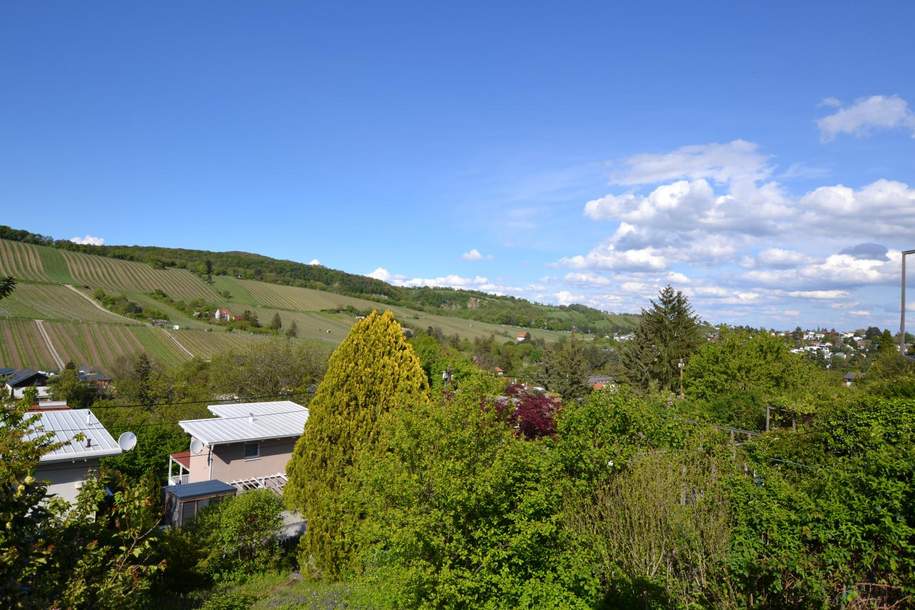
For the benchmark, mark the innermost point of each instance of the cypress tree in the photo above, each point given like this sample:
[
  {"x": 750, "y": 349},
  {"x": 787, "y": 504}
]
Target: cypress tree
[
  {"x": 373, "y": 371},
  {"x": 668, "y": 332}
]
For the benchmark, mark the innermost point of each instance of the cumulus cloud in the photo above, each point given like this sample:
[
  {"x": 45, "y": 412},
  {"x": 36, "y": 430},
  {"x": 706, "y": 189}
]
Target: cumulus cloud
[
  {"x": 781, "y": 258},
  {"x": 380, "y": 273},
  {"x": 314, "y": 261},
  {"x": 884, "y": 208},
  {"x": 866, "y": 116},
  {"x": 564, "y": 297},
  {"x": 88, "y": 240},
  {"x": 475, "y": 255}
]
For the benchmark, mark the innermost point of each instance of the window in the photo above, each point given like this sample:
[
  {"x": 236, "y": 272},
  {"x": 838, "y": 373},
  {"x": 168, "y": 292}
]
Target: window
[{"x": 252, "y": 450}]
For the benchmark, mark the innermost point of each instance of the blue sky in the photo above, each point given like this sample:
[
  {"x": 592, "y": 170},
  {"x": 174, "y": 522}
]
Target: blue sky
[{"x": 576, "y": 153}]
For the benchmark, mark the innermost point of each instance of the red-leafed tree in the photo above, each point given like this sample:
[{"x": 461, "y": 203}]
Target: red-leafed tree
[{"x": 531, "y": 413}]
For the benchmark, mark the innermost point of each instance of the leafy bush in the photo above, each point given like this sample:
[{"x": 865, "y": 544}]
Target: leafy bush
[{"x": 241, "y": 534}]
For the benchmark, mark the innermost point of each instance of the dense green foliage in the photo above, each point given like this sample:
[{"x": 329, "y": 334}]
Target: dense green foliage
[
  {"x": 373, "y": 372},
  {"x": 120, "y": 304},
  {"x": 667, "y": 335},
  {"x": 741, "y": 373}
]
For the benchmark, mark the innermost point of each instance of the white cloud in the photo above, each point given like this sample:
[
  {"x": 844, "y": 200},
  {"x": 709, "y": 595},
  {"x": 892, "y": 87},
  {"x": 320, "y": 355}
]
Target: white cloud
[
  {"x": 830, "y": 102},
  {"x": 780, "y": 258},
  {"x": 380, "y": 273},
  {"x": 861, "y": 313},
  {"x": 564, "y": 297},
  {"x": 475, "y": 255},
  {"x": 866, "y": 116},
  {"x": 721, "y": 163},
  {"x": 88, "y": 240},
  {"x": 818, "y": 294},
  {"x": 314, "y": 261},
  {"x": 607, "y": 256},
  {"x": 884, "y": 208},
  {"x": 587, "y": 278}
]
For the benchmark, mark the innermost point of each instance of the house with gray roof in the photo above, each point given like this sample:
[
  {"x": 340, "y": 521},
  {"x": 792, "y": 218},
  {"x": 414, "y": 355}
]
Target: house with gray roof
[
  {"x": 246, "y": 445},
  {"x": 83, "y": 442}
]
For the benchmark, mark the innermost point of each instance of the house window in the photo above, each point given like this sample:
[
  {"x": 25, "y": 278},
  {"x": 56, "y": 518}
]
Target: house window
[{"x": 252, "y": 450}]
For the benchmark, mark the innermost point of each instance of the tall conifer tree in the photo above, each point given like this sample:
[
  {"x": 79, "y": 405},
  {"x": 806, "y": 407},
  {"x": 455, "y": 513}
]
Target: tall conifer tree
[
  {"x": 373, "y": 371},
  {"x": 668, "y": 332}
]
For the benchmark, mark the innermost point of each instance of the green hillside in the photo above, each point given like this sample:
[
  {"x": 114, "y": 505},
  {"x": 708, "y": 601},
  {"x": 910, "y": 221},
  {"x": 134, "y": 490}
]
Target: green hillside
[
  {"x": 154, "y": 266},
  {"x": 58, "y": 287}
]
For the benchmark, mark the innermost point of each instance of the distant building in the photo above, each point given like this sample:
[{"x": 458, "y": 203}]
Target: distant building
[
  {"x": 20, "y": 379},
  {"x": 68, "y": 467},
  {"x": 183, "y": 502},
  {"x": 522, "y": 336},
  {"x": 223, "y": 315}
]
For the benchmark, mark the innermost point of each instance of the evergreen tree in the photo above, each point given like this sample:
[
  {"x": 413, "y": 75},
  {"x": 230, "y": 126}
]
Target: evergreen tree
[
  {"x": 276, "y": 323},
  {"x": 565, "y": 369},
  {"x": 373, "y": 371},
  {"x": 668, "y": 333},
  {"x": 293, "y": 330}
]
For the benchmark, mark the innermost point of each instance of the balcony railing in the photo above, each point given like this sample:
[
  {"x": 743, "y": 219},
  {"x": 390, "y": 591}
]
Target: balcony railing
[{"x": 179, "y": 479}]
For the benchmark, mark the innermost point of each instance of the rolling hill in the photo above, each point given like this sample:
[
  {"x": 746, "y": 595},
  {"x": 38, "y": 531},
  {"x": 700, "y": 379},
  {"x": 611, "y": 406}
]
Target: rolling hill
[{"x": 52, "y": 316}]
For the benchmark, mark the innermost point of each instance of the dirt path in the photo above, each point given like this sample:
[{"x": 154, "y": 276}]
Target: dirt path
[
  {"x": 47, "y": 339},
  {"x": 178, "y": 343},
  {"x": 97, "y": 306}
]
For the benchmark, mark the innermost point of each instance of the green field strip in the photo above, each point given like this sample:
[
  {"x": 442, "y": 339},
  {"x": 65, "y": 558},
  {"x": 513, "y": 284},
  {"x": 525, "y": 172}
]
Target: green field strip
[
  {"x": 240, "y": 293},
  {"x": 159, "y": 347},
  {"x": 54, "y": 265},
  {"x": 52, "y": 302},
  {"x": 71, "y": 343}
]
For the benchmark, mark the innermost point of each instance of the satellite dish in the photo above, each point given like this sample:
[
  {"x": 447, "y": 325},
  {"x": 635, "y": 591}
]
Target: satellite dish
[
  {"x": 196, "y": 446},
  {"x": 127, "y": 441}
]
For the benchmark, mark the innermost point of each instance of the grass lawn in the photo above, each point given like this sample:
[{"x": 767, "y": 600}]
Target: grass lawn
[{"x": 288, "y": 592}]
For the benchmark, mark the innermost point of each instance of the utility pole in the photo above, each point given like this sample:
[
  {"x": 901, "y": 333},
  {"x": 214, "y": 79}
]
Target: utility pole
[{"x": 902, "y": 305}]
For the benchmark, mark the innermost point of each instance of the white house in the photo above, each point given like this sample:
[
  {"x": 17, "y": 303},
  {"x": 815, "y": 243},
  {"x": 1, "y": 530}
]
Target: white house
[
  {"x": 246, "y": 445},
  {"x": 67, "y": 467}
]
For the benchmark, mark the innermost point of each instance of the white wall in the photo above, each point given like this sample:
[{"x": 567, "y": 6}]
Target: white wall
[{"x": 65, "y": 478}]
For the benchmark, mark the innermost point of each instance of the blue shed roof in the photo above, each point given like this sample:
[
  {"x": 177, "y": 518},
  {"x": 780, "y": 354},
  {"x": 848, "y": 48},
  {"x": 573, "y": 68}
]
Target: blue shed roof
[{"x": 200, "y": 488}]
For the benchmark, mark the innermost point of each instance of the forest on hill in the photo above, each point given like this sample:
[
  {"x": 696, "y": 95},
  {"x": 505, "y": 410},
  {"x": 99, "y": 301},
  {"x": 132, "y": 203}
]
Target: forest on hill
[{"x": 470, "y": 305}]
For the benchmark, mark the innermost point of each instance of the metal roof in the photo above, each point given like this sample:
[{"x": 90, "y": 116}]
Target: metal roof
[
  {"x": 65, "y": 424},
  {"x": 201, "y": 488},
  {"x": 248, "y": 422}
]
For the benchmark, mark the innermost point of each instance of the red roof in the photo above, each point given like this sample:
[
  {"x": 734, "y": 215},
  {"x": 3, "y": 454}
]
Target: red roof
[{"x": 183, "y": 458}]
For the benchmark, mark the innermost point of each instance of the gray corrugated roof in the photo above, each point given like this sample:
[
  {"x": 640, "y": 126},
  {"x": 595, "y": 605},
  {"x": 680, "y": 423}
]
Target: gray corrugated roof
[
  {"x": 234, "y": 423},
  {"x": 200, "y": 488},
  {"x": 65, "y": 424}
]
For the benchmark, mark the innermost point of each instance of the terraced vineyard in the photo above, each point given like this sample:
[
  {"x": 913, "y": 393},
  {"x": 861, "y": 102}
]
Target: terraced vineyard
[
  {"x": 21, "y": 345},
  {"x": 89, "y": 335},
  {"x": 52, "y": 302}
]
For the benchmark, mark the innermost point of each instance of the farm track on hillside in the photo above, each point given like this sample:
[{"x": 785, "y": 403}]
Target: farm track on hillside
[{"x": 47, "y": 340}]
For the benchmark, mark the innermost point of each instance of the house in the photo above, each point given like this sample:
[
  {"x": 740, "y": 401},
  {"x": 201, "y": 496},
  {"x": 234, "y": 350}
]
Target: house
[
  {"x": 247, "y": 445},
  {"x": 85, "y": 441},
  {"x": 522, "y": 336},
  {"x": 20, "y": 379},
  {"x": 94, "y": 377},
  {"x": 223, "y": 315}
]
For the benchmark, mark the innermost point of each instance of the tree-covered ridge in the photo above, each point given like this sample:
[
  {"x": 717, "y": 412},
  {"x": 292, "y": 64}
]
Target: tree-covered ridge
[{"x": 472, "y": 305}]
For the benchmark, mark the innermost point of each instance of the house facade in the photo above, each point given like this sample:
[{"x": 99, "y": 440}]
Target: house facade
[
  {"x": 84, "y": 441},
  {"x": 247, "y": 445}
]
